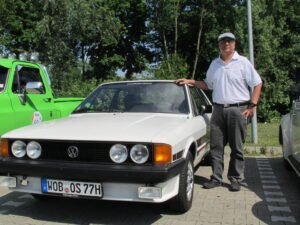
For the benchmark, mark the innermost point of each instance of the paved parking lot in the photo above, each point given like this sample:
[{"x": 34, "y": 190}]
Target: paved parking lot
[{"x": 270, "y": 195}]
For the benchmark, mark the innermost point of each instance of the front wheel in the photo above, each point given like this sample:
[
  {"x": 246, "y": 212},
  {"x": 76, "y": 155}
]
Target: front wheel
[
  {"x": 183, "y": 201},
  {"x": 287, "y": 165}
]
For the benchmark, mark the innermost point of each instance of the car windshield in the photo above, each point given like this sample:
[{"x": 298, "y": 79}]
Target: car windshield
[
  {"x": 3, "y": 77},
  {"x": 153, "y": 97}
]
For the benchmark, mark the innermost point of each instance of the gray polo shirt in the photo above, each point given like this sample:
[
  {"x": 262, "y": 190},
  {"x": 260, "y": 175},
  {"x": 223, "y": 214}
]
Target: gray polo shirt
[{"x": 230, "y": 82}]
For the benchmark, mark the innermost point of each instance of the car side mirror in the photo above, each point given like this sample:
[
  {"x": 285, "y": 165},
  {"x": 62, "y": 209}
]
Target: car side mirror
[
  {"x": 30, "y": 88},
  {"x": 34, "y": 88},
  {"x": 205, "y": 109}
]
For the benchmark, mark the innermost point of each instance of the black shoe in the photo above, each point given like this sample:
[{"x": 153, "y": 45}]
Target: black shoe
[
  {"x": 212, "y": 184},
  {"x": 235, "y": 186}
]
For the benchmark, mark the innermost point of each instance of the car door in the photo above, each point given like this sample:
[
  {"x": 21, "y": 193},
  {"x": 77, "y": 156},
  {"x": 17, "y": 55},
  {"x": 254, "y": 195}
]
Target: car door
[
  {"x": 199, "y": 101},
  {"x": 6, "y": 119},
  {"x": 295, "y": 114},
  {"x": 38, "y": 104}
]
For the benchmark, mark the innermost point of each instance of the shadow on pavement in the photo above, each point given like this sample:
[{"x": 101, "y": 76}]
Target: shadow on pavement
[
  {"x": 286, "y": 182},
  {"x": 257, "y": 204}
]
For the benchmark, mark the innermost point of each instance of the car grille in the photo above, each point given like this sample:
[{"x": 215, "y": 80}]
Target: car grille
[{"x": 88, "y": 151}]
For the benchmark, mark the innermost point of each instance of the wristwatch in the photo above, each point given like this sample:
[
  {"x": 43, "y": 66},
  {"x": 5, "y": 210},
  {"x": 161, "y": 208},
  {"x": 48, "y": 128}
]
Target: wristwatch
[{"x": 251, "y": 105}]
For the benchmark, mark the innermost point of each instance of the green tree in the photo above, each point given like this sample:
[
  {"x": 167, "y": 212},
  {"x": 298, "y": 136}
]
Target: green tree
[
  {"x": 276, "y": 41},
  {"x": 73, "y": 30},
  {"x": 198, "y": 23},
  {"x": 17, "y": 25},
  {"x": 88, "y": 40},
  {"x": 133, "y": 46},
  {"x": 170, "y": 69},
  {"x": 164, "y": 33}
]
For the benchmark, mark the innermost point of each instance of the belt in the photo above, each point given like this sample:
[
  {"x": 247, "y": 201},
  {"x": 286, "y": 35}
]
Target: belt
[{"x": 233, "y": 105}]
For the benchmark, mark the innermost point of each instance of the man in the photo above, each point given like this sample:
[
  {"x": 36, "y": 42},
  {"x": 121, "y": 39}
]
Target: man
[{"x": 229, "y": 77}]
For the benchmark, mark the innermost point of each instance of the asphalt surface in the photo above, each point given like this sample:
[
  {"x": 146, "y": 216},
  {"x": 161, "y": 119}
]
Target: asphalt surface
[{"x": 270, "y": 195}]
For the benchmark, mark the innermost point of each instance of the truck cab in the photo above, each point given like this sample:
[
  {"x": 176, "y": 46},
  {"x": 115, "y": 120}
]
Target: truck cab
[{"x": 26, "y": 96}]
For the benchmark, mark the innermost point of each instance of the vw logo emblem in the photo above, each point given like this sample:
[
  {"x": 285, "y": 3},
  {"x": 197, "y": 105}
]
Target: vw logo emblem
[{"x": 73, "y": 152}]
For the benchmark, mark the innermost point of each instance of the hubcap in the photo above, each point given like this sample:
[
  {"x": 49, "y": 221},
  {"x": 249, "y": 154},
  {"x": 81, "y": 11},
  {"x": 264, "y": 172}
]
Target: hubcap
[{"x": 189, "y": 181}]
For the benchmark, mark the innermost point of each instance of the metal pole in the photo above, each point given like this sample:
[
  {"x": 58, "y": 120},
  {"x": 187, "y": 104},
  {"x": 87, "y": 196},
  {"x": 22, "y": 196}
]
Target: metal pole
[{"x": 251, "y": 54}]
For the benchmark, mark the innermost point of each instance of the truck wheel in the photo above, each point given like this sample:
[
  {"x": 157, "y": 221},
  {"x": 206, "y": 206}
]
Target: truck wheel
[{"x": 183, "y": 201}]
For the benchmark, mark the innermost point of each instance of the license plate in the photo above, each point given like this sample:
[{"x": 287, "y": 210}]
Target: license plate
[{"x": 71, "y": 187}]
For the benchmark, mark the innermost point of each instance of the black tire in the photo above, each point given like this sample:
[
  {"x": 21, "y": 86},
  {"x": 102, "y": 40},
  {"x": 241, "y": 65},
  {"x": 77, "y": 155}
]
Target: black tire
[
  {"x": 287, "y": 165},
  {"x": 207, "y": 160},
  {"x": 183, "y": 201}
]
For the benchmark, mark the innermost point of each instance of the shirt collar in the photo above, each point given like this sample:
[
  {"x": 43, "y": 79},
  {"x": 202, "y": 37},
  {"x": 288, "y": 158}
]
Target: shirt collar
[{"x": 235, "y": 56}]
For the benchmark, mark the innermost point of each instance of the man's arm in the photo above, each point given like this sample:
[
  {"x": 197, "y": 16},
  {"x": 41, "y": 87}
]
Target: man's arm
[
  {"x": 197, "y": 83},
  {"x": 254, "y": 99},
  {"x": 256, "y": 93}
]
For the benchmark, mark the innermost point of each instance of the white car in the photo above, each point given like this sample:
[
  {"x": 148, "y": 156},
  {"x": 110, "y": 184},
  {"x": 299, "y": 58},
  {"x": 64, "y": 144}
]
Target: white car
[
  {"x": 127, "y": 141},
  {"x": 289, "y": 137}
]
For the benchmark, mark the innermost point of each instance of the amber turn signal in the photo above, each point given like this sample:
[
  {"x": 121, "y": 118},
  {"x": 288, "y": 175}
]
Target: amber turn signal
[
  {"x": 4, "y": 148},
  {"x": 162, "y": 153}
]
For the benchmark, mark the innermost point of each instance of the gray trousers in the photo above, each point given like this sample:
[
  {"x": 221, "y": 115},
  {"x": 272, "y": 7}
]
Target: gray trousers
[{"x": 228, "y": 125}]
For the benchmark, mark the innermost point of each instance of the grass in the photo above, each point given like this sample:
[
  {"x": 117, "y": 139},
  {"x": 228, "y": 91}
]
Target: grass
[{"x": 267, "y": 134}]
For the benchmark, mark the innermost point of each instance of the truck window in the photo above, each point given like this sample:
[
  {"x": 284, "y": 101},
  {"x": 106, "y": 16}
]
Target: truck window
[
  {"x": 23, "y": 75},
  {"x": 3, "y": 77}
]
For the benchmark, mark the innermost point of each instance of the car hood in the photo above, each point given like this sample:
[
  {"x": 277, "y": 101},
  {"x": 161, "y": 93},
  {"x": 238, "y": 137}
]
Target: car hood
[{"x": 137, "y": 127}]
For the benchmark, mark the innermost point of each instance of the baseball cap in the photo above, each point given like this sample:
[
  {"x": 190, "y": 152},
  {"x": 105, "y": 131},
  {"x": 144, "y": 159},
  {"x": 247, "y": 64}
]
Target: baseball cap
[{"x": 226, "y": 35}]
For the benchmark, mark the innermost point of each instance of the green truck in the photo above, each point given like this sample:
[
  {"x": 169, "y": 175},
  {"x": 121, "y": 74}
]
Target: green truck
[{"x": 26, "y": 96}]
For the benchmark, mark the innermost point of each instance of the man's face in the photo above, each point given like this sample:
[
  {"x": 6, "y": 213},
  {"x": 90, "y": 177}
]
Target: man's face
[{"x": 227, "y": 45}]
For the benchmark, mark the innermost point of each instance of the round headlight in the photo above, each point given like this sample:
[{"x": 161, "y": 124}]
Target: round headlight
[
  {"x": 34, "y": 150},
  {"x": 139, "y": 153},
  {"x": 18, "y": 149},
  {"x": 118, "y": 153}
]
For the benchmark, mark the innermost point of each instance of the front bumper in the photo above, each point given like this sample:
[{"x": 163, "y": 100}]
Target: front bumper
[
  {"x": 111, "y": 190},
  {"x": 148, "y": 174}
]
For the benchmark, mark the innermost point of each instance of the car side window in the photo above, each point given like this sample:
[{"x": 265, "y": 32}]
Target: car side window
[
  {"x": 23, "y": 75},
  {"x": 198, "y": 100}
]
